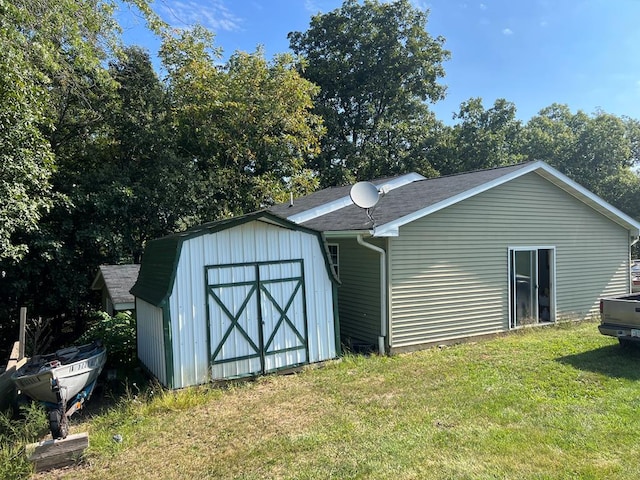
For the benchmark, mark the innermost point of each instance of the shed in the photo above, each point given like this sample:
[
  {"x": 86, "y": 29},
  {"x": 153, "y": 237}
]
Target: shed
[
  {"x": 237, "y": 297},
  {"x": 114, "y": 283},
  {"x": 444, "y": 259}
]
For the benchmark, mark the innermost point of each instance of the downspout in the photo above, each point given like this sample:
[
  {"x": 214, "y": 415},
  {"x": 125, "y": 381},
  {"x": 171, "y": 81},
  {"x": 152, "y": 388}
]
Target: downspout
[{"x": 383, "y": 292}]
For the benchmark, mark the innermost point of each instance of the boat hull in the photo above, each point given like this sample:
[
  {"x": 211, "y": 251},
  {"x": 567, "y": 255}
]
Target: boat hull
[{"x": 72, "y": 378}]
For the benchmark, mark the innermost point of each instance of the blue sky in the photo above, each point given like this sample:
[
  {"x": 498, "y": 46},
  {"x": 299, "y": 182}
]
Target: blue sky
[{"x": 584, "y": 53}]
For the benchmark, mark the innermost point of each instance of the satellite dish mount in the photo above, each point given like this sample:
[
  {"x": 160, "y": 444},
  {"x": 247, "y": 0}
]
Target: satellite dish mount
[{"x": 365, "y": 195}]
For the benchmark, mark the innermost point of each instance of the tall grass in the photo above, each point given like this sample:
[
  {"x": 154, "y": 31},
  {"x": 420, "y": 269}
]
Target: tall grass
[{"x": 15, "y": 434}]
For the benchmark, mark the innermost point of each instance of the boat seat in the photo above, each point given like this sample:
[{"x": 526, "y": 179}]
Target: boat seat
[{"x": 67, "y": 354}]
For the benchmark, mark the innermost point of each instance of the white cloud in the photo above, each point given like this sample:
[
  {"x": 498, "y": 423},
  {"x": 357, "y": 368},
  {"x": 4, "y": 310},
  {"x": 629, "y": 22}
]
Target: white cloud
[
  {"x": 312, "y": 6},
  {"x": 214, "y": 14},
  {"x": 483, "y": 6},
  {"x": 507, "y": 31}
]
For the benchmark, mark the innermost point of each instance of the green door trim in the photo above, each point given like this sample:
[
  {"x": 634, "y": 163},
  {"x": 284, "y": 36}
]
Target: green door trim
[
  {"x": 259, "y": 287},
  {"x": 234, "y": 319}
]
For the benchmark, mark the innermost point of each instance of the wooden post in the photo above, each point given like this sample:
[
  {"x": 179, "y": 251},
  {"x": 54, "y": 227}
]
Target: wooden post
[
  {"x": 50, "y": 454},
  {"x": 23, "y": 331}
]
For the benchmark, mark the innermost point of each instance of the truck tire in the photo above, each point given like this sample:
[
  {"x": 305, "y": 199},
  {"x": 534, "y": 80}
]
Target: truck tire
[{"x": 625, "y": 343}]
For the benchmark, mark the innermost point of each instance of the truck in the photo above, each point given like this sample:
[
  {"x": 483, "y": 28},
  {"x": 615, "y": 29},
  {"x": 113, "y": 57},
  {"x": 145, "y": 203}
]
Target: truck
[{"x": 620, "y": 318}]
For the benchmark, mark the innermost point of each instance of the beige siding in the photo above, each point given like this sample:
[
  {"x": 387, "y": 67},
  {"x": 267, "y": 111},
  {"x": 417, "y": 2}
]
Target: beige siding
[
  {"x": 450, "y": 269},
  {"x": 359, "y": 292}
]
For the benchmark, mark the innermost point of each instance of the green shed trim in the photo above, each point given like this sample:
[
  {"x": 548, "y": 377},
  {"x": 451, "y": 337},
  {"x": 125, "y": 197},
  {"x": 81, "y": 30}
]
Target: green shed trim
[
  {"x": 168, "y": 345},
  {"x": 161, "y": 256},
  {"x": 336, "y": 320}
]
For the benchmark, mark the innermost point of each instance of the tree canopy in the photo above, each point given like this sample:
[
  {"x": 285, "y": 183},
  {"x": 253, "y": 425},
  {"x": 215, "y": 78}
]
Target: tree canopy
[
  {"x": 376, "y": 66},
  {"x": 98, "y": 154}
]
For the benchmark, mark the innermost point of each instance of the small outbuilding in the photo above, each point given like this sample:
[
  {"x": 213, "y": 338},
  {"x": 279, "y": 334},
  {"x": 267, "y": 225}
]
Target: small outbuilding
[
  {"x": 114, "y": 283},
  {"x": 443, "y": 259},
  {"x": 234, "y": 298}
]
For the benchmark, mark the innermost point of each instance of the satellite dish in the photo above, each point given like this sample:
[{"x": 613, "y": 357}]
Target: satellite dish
[{"x": 364, "y": 194}]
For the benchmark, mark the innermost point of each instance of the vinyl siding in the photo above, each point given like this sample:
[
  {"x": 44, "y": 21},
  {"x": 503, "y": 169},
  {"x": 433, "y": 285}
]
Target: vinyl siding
[
  {"x": 449, "y": 270},
  {"x": 359, "y": 292}
]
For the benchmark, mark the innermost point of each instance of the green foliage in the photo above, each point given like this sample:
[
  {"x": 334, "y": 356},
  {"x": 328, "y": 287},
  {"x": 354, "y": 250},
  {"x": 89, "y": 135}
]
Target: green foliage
[
  {"x": 15, "y": 434},
  {"x": 376, "y": 65},
  {"x": 484, "y": 138},
  {"x": 246, "y": 127},
  {"x": 118, "y": 334},
  {"x": 588, "y": 148}
]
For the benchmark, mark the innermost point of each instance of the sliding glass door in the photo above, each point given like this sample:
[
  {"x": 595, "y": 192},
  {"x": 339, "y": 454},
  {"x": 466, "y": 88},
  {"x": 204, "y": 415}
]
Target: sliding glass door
[{"x": 531, "y": 285}]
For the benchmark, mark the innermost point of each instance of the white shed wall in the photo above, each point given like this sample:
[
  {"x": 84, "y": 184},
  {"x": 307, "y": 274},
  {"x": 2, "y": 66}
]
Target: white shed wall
[
  {"x": 150, "y": 339},
  {"x": 250, "y": 242}
]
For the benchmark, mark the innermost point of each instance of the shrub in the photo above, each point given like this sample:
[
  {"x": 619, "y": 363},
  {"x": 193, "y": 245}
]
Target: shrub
[{"x": 118, "y": 334}]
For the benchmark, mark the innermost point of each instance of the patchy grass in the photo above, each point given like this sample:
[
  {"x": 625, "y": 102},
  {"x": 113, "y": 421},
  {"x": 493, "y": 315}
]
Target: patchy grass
[{"x": 553, "y": 403}]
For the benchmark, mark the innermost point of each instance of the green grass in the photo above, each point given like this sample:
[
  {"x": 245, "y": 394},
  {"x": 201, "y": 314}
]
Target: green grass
[{"x": 555, "y": 403}]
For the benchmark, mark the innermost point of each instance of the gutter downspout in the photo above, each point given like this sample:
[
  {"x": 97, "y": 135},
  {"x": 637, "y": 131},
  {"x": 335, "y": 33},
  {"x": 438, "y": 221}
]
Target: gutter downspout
[{"x": 383, "y": 292}]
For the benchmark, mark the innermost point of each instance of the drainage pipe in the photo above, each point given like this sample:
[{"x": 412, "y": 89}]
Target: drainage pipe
[{"x": 383, "y": 292}]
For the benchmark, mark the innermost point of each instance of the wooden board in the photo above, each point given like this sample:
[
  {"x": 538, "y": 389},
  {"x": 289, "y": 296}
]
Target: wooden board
[
  {"x": 7, "y": 387},
  {"x": 50, "y": 454}
]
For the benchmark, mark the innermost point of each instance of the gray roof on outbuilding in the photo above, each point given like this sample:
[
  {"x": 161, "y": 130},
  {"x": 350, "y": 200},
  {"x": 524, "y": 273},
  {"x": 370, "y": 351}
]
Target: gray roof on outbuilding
[
  {"x": 413, "y": 197},
  {"x": 395, "y": 204},
  {"x": 118, "y": 280}
]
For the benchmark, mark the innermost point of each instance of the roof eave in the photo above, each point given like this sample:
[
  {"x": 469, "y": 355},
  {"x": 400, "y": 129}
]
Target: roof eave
[
  {"x": 335, "y": 234},
  {"x": 392, "y": 229}
]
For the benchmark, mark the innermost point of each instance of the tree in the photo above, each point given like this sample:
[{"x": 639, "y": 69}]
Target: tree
[
  {"x": 484, "y": 138},
  {"x": 588, "y": 149},
  {"x": 247, "y": 126},
  {"x": 376, "y": 65},
  {"x": 52, "y": 77},
  {"x": 26, "y": 161}
]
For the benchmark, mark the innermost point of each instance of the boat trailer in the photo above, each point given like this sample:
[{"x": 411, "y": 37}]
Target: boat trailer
[{"x": 58, "y": 414}]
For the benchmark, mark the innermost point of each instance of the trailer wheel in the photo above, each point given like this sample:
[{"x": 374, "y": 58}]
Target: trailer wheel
[{"x": 58, "y": 424}]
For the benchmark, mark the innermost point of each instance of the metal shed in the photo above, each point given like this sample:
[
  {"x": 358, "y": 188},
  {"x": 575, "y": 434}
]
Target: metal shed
[{"x": 233, "y": 298}]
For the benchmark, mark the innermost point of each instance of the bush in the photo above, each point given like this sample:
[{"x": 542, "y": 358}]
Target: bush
[{"x": 118, "y": 334}]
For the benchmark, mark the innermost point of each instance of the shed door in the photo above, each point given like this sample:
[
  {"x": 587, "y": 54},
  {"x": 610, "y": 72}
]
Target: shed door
[{"x": 257, "y": 317}]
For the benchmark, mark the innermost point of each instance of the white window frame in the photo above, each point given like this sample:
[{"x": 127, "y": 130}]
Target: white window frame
[{"x": 334, "y": 264}]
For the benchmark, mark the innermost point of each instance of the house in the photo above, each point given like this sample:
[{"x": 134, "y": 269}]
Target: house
[
  {"x": 234, "y": 298},
  {"x": 444, "y": 259},
  {"x": 114, "y": 283}
]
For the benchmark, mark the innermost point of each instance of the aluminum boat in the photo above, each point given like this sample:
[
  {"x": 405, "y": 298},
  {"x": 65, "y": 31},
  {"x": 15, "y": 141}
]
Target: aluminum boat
[{"x": 70, "y": 369}]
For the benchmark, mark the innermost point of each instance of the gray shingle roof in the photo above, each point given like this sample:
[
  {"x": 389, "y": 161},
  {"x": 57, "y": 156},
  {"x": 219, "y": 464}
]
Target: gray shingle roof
[
  {"x": 118, "y": 279},
  {"x": 396, "y": 204}
]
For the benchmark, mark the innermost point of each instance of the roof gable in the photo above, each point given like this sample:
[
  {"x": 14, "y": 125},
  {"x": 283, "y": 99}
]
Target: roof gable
[
  {"x": 422, "y": 197},
  {"x": 161, "y": 256},
  {"x": 118, "y": 280}
]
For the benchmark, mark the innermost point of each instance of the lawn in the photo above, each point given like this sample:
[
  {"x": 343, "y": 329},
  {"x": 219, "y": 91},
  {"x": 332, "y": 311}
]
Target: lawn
[{"x": 548, "y": 403}]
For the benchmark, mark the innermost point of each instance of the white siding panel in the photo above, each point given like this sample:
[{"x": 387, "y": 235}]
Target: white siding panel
[
  {"x": 450, "y": 269},
  {"x": 150, "y": 339},
  {"x": 252, "y": 242}
]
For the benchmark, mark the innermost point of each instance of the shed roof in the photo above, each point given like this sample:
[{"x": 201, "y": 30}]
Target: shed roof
[
  {"x": 419, "y": 197},
  {"x": 160, "y": 259},
  {"x": 118, "y": 280}
]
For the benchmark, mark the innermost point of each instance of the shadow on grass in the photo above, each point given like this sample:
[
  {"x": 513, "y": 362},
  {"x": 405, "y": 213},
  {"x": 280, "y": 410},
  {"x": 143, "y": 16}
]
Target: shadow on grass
[{"x": 612, "y": 360}]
